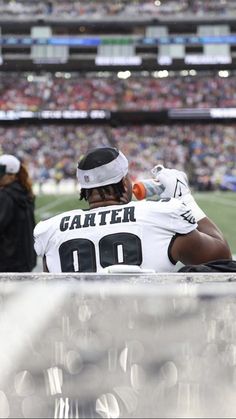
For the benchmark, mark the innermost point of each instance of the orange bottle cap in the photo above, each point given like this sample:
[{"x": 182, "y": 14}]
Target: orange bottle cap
[{"x": 139, "y": 190}]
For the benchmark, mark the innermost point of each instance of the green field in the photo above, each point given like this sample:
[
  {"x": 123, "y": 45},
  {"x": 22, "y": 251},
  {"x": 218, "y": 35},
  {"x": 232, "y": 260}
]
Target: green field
[{"x": 219, "y": 206}]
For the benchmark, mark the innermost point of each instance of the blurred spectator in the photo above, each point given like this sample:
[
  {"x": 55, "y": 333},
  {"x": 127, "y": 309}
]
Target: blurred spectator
[
  {"x": 16, "y": 217},
  {"x": 125, "y": 8},
  {"x": 205, "y": 151},
  {"x": 71, "y": 91}
]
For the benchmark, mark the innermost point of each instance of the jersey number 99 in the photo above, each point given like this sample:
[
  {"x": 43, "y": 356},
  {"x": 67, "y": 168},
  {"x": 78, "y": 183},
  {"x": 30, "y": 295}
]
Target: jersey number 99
[{"x": 79, "y": 255}]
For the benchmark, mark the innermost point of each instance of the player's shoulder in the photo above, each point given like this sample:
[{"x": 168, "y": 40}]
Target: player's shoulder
[
  {"x": 53, "y": 222},
  {"x": 167, "y": 209},
  {"x": 164, "y": 205}
]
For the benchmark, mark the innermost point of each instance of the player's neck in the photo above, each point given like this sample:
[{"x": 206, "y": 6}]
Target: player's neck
[
  {"x": 104, "y": 203},
  {"x": 95, "y": 200}
]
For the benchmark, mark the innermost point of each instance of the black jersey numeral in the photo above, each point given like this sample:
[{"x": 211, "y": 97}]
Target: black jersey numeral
[
  {"x": 122, "y": 248},
  {"x": 79, "y": 255}
]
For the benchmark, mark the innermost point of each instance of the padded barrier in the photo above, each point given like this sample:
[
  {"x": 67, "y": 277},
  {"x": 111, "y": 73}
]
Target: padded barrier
[{"x": 117, "y": 346}]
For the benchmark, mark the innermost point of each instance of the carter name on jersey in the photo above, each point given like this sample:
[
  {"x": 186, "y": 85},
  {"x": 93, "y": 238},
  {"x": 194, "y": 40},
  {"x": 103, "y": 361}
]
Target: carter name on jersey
[{"x": 114, "y": 216}]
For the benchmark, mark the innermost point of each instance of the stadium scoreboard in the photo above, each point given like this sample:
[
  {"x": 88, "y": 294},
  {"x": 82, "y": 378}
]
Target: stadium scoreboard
[{"x": 145, "y": 46}]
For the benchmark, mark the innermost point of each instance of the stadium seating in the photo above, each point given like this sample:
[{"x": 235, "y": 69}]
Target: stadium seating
[
  {"x": 72, "y": 91},
  {"x": 205, "y": 151},
  {"x": 99, "y": 8}
]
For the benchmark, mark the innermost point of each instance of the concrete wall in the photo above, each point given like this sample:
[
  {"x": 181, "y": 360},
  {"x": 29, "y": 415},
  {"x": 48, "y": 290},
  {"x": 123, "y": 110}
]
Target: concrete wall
[{"x": 117, "y": 346}]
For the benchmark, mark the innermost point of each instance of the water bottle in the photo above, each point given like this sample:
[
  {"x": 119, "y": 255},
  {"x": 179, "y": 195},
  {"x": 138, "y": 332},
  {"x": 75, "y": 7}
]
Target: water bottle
[{"x": 147, "y": 189}]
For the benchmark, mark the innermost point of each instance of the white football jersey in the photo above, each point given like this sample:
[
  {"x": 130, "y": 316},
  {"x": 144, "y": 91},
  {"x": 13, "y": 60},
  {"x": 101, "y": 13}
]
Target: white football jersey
[{"x": 139, "y": 233}]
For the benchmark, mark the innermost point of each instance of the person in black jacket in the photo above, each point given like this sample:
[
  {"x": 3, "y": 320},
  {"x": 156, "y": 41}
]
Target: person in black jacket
[{"x": 17, "y": 219}]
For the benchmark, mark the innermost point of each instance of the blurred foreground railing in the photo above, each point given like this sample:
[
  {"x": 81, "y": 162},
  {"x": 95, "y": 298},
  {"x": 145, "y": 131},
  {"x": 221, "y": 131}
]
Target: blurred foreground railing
[{"x": 124, "y": 345}]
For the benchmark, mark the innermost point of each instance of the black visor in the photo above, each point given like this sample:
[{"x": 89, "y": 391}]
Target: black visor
[{"x": 2, "y": 169}]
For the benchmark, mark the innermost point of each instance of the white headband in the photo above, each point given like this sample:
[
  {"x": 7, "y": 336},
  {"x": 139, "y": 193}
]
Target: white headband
[{"x": 106, "y": 174}]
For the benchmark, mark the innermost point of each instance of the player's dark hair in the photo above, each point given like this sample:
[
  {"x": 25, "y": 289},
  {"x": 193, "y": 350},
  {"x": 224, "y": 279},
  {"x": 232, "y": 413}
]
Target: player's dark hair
[
  {"x": 98, "y": 157},
  {"x": 118, "y": 190}
]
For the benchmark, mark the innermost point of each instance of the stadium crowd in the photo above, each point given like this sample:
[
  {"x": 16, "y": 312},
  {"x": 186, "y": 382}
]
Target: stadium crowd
[
  {"x": 207, "y": 152},
  {"x": 75, "y": 91},
  {"x": 100, "y": 8}
]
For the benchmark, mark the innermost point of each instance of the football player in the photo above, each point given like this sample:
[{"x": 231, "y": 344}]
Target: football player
[{"x": 117, "y": 230}]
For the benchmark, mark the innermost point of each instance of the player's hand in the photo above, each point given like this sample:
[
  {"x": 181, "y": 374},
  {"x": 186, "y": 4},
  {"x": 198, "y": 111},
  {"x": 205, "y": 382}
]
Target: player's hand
[{"x": 172, "y": 182}]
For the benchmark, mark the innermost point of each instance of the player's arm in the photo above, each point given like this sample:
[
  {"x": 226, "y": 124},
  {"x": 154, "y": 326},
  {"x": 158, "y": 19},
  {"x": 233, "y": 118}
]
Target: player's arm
[
  {"x": 202, "y": 245},
  {"x": 45, "y": 268}
]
